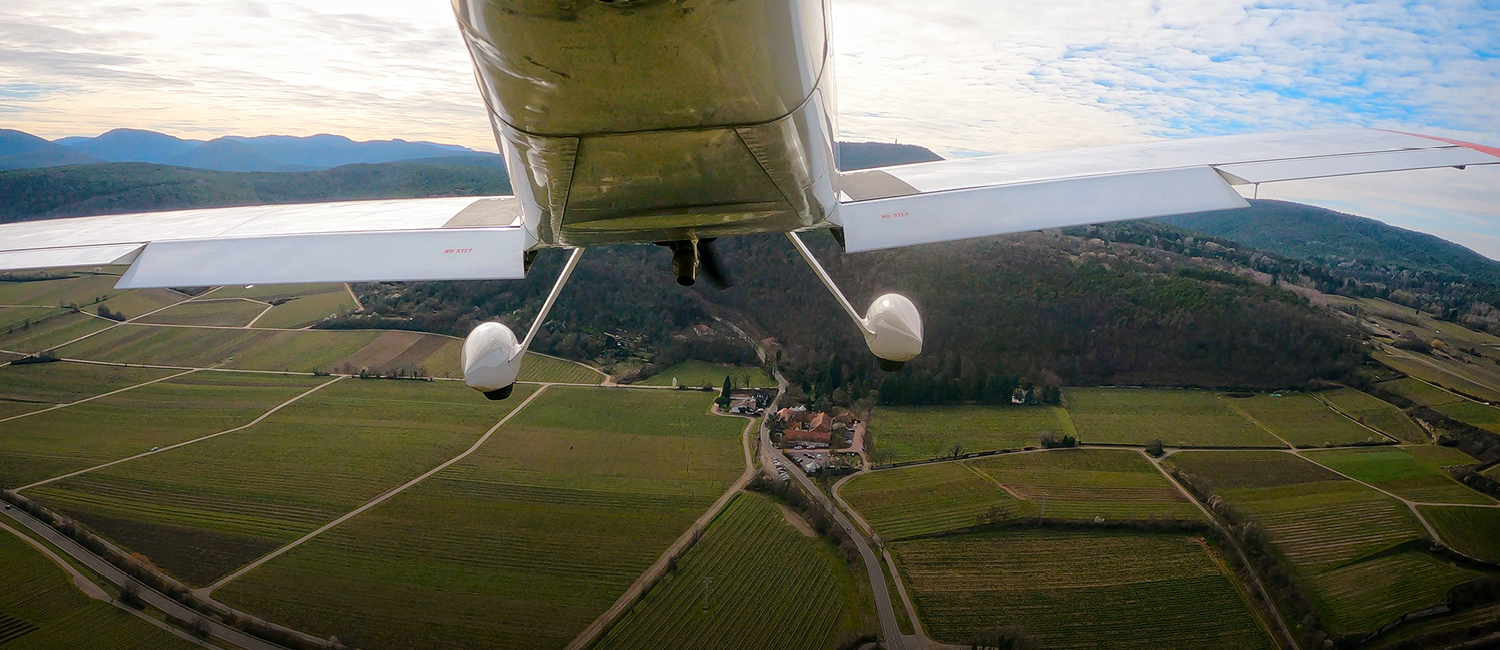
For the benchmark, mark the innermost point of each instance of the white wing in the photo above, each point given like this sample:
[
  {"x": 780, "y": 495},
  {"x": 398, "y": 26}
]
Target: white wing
[
  {"x": 357, "y": 241},
  {"x": 995, "y": 195}
]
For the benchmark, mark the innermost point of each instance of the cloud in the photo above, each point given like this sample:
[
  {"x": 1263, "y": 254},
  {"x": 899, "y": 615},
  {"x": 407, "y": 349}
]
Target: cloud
[{"x": 964, "y": 77}]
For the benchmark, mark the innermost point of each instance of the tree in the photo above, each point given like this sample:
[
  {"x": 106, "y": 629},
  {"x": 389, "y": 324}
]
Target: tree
[
  {"x": 724, "y": 395},
  {"x": 1154, "y": 448},
  {"x": 956, "y": 450}
]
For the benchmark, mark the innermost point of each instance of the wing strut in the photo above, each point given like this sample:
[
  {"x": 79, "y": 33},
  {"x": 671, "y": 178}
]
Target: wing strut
[
  {"x": 892, "y": 327},
  {"x": 492, "y": 357}
]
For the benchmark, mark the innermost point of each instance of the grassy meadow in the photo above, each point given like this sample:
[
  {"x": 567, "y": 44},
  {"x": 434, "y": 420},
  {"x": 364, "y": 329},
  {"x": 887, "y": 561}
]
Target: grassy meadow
[
  {"x": 306, "y": 309},
  {"x": 1472, "y": 531},
  {"x": 1088, "y": 483},
  {"x": 925, "y": 499},
  {"x": 1375, "y": 413},
  {"x": 76, "y": 289},
  {"x": 1136, "y": 416},
  {"x": 203, "y": 510},
  {"x": 520, "y": 545},
  {"x": 810, "y": 601},
  {"x": 40, "y": 609},
  {"x": 1078, "y": 589},
  {"x": 40, "y": 385},
  {"x": 232, "y": 312},
  {"x": 702, "y": 373},
  {"x": 1483, "y": 416},
  {"x": 49, "y": 333},
  {"x": 1304, "y": 421},
  {"x": 1420, "y": 392},
  {"x": 904, "y": 433},
  {"x": 1400, "y": 473}
]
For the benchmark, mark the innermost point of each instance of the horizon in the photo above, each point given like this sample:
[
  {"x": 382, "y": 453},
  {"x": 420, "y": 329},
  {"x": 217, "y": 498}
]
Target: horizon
[{"x": 1013, "y": 79}]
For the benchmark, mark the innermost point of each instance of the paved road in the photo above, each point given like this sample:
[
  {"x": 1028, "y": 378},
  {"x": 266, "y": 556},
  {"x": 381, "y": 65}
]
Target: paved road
[
  {"x": 118, "y": 577},
  {"x": 890, "y": 630}
]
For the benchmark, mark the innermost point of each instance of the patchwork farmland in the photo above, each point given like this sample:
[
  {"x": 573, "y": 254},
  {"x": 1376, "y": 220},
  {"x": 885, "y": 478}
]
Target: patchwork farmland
[
  {"x": 912, "y": 432},
  {"x": 40, "y": 609},
  {"x": 1078, "y": 589},
  {"x": 200, "y": 511},
  {"x": 1192, "y": 418},
  {"x": 531, "y": 537},
  {"x": 807, "y": 602},
  {"x": 520, "y": 545},
  {"x": 1347, "y": 540}
]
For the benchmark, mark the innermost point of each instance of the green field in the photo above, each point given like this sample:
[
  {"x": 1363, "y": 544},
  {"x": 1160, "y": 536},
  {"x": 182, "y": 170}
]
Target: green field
[
  {"x": 125, "y": 424},
  {"x": 1472, "y": 531},
  {"x": 1176, "y": 417},
  {"x": 808, "y": 601},
  {"x": 14, "y": 318},
  {"x": 1304, "y": 421},
  {"x": 1078, "y": 590},
  {"x": 1472, "y": 379},
  {"x": 46, "y": 384},
  {"x": 542, "y": 368},
  {"x": 1375, "y": 413},
  {"x": 47, "y": 334},
  {"x": 139, "y": 302},
  {"x": 1363, "y": 596},
  {"x": 207, "y": 311},
  {"x": 40, "y": 609},
  {"x": 269, "y": 292},
  {"x": 1400, "y": 473},
  {"x": 1318, "y": 519},
  {"x": 703, "y": 373},
  {"x": 520, "y": 545},
  {"x": 1420, "y": 392},
  {"x": 1334, "y": 531},
  {"x": 307, "y": 309},
  {"x": 1439, "y": 457},
  {"x": 915, "y": 432},
  {"x": 1088, "y": 483},
  {"x": 1479, "y": 415},
  {"x": 925, "y": 499},
  {"x": 204, "y": 347},
  {"x": 82, "y": 290},
  {"x": 202, "y": 510}
]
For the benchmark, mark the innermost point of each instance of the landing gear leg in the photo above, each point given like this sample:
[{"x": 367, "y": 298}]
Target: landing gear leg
[
  {"x": 491, "y": 355},
  {"x": 892, "y": 326}
]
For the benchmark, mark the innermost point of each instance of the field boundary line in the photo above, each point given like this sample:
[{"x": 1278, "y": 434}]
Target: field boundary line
[
  {"x": 95, "y": 592},
  {"x": 1251, "y": 418},
  {"x": 653, "y": 574},
  {"x": 263, "y": 312},
  {"x": 90, "y": 399},
  {"x": 118, "y": 323},
  {"x": 1271, "y": 610},
  {"x": 379, "y": 499},
  {"x": 185, "y": 443},
  {"x": 1410, "y": 505}
]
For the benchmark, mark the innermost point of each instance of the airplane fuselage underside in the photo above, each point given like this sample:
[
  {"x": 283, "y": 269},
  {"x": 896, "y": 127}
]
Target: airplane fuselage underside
[{"x": 658, "y": 120}]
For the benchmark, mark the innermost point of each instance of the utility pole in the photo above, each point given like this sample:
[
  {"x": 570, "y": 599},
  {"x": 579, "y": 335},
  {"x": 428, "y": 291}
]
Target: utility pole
[{"x": 708, "y": 582}]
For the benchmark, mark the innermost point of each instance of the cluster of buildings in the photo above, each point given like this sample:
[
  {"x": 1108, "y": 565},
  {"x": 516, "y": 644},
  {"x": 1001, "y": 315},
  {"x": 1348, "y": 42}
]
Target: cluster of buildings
[{"x": 805, "y": 430}]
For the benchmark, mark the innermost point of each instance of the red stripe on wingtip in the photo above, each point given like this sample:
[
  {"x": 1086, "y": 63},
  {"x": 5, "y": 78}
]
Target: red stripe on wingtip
[{"x": 1493, "y": 151}]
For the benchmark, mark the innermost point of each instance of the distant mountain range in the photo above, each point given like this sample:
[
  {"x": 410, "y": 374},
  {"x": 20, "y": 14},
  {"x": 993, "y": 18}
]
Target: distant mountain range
[{"x": 267, "y": 153}]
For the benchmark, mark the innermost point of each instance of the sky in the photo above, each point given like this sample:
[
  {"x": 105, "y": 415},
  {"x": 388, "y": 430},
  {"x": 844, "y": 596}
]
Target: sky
[{"x": 962, "y": 77}]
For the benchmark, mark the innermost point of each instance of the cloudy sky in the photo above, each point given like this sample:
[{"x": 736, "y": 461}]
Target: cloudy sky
[{"x": 963, "y": 77}]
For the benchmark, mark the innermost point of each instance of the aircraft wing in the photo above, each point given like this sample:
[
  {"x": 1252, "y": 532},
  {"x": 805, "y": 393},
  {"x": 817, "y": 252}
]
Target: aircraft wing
[
  {"x": 995, "y": 195},
  {"x": 357, "y": 241}
]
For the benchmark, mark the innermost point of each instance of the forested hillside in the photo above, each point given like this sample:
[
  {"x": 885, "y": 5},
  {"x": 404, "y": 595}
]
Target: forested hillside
[
  {"x": 81, "y": 190},
  {"x": 1370, "y": 258},
  {"x": 1134, "y": 303}
]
